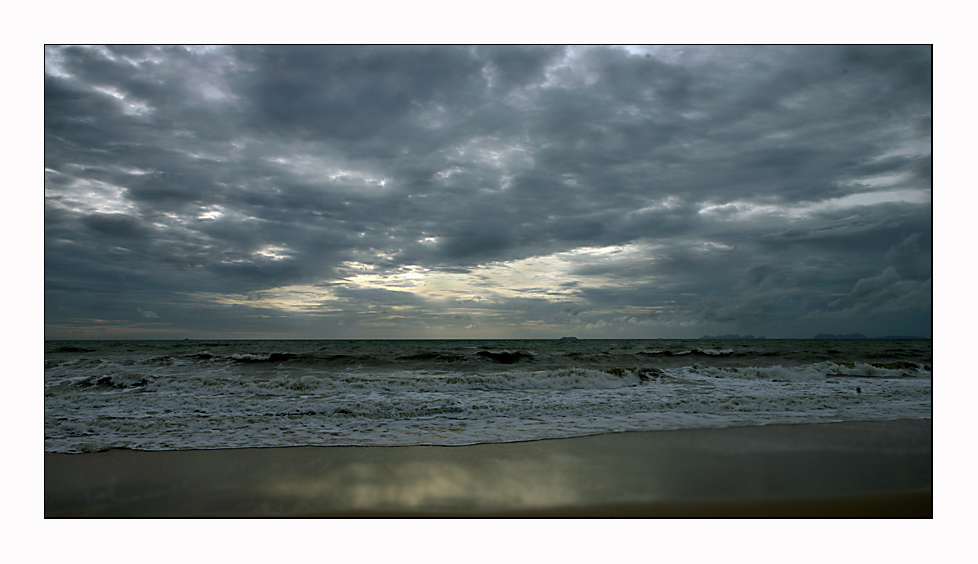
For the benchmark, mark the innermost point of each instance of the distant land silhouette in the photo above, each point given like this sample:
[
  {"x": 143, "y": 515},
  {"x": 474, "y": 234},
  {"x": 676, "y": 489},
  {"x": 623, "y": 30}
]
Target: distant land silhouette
[
  {"x": 861, "y": 336},
  {"x": 834, "y": 336},
  {"x": 731, "y": 337},
  {"x": 819, "y": 336},
  {"x": 902, "y": 337}
]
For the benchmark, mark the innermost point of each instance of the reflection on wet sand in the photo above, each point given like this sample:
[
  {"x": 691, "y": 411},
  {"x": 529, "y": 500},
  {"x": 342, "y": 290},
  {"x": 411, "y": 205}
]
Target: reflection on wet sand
[
  {"x": 853, "y": 469},
  {"x": 447, "y": 486}
]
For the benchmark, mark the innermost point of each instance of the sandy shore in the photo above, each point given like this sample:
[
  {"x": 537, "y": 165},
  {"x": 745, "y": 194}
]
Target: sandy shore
[{"x": 828, "y": 470}]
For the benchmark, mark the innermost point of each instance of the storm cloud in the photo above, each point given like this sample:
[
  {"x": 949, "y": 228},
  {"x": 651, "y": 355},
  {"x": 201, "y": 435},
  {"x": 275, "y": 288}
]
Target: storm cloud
[{"x": 488, "y": 191}]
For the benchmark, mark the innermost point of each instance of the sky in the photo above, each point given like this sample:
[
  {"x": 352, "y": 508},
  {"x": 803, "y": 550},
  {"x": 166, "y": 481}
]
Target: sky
[{"x": 487, "y": 192}]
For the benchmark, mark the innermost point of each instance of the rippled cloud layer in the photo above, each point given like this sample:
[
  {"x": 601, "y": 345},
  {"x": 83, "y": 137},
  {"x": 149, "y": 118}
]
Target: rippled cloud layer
[{"x": 429, "y": 192}]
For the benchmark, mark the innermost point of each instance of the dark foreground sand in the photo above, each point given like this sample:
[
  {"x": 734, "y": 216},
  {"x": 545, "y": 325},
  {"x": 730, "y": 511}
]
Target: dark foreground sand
[{"x": 870, "y": 469}]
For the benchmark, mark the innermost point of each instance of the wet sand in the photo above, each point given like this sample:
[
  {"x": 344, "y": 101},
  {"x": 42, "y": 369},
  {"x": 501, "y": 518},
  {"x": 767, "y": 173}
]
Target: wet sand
[{"x": 868, "y": 469}]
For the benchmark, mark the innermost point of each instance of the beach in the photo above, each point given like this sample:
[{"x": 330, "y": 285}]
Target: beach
[{"x": 848, "y": 469}]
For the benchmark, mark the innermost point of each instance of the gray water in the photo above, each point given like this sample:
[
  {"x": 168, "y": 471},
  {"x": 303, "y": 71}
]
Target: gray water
[{"x": 164, "y": 395}]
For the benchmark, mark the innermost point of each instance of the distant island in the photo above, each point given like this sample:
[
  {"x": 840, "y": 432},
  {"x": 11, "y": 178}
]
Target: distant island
[
  {"x": 568, "y": 338},
  {"x": 834, "y": 336},
  {"x": 861, "y": 336},
  {"x": 732, "y": 337},
  {"x": 819, "y": 336},
  {"x": 902, "y": 337}
]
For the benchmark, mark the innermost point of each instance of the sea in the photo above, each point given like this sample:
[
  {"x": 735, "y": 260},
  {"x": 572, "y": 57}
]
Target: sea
[{"x": 212, "y": 394}]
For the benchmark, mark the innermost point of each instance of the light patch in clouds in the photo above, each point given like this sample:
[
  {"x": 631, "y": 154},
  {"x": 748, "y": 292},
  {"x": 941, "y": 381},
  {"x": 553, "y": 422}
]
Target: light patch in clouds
[
  {"x": 665, "y": 204},
  {"x": 746, "y": 210},
  {"x": 486, "y": 293},
  {"x": 542, "y": 277},
  {"x": 274, "y": 252},
  {"x": 908, "y": 195},
  {"x": 916, "y": 148},
  {"x": 213, "y": 212},
  {"x": 306, "y": 298},
  {"x": 128, "y": 104},
  {"x": 883, "y": 181},
  {"x": 89, "y": 196}
]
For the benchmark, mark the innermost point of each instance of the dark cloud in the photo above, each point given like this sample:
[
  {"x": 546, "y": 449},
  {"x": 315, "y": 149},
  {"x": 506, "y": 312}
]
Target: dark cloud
[{"x": 445, "y": 191}]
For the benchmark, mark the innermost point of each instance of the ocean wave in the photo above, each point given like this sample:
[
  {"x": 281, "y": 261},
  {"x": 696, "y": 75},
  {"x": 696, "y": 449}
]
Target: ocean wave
[
  {"x": 118, "y": 381},
  {"x": 816, "y": 371},
  {"x": 271, "y": 357},
  {"x": 215, "y": 382},
  {"x": 505, "y": 357},
  {"x": 71, "y": 349},
  {"x": 232, "y": 381},
  {"x": 690, "y": 352},
  {"x": 435, "y": 357}
]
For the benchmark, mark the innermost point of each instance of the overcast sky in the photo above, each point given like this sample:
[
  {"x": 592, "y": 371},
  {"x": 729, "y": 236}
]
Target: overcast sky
[{"x": 486, "y": 192}]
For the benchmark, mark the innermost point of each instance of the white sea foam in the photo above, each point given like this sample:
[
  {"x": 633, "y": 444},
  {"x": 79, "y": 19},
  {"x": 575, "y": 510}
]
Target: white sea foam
[
  {"x": 220, "y": 397},
  {"x": 216, "y": 409}
]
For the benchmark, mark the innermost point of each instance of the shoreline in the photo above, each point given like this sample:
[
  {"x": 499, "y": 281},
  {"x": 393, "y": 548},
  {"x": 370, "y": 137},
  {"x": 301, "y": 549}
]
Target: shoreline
[
  {"x": 851, "y": 469},
  {"x": 509, "y": 442}
]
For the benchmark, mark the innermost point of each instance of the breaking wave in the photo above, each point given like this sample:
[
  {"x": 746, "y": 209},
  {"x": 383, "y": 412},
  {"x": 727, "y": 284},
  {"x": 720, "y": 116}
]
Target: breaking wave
[{"x": 175, "y": 395}]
